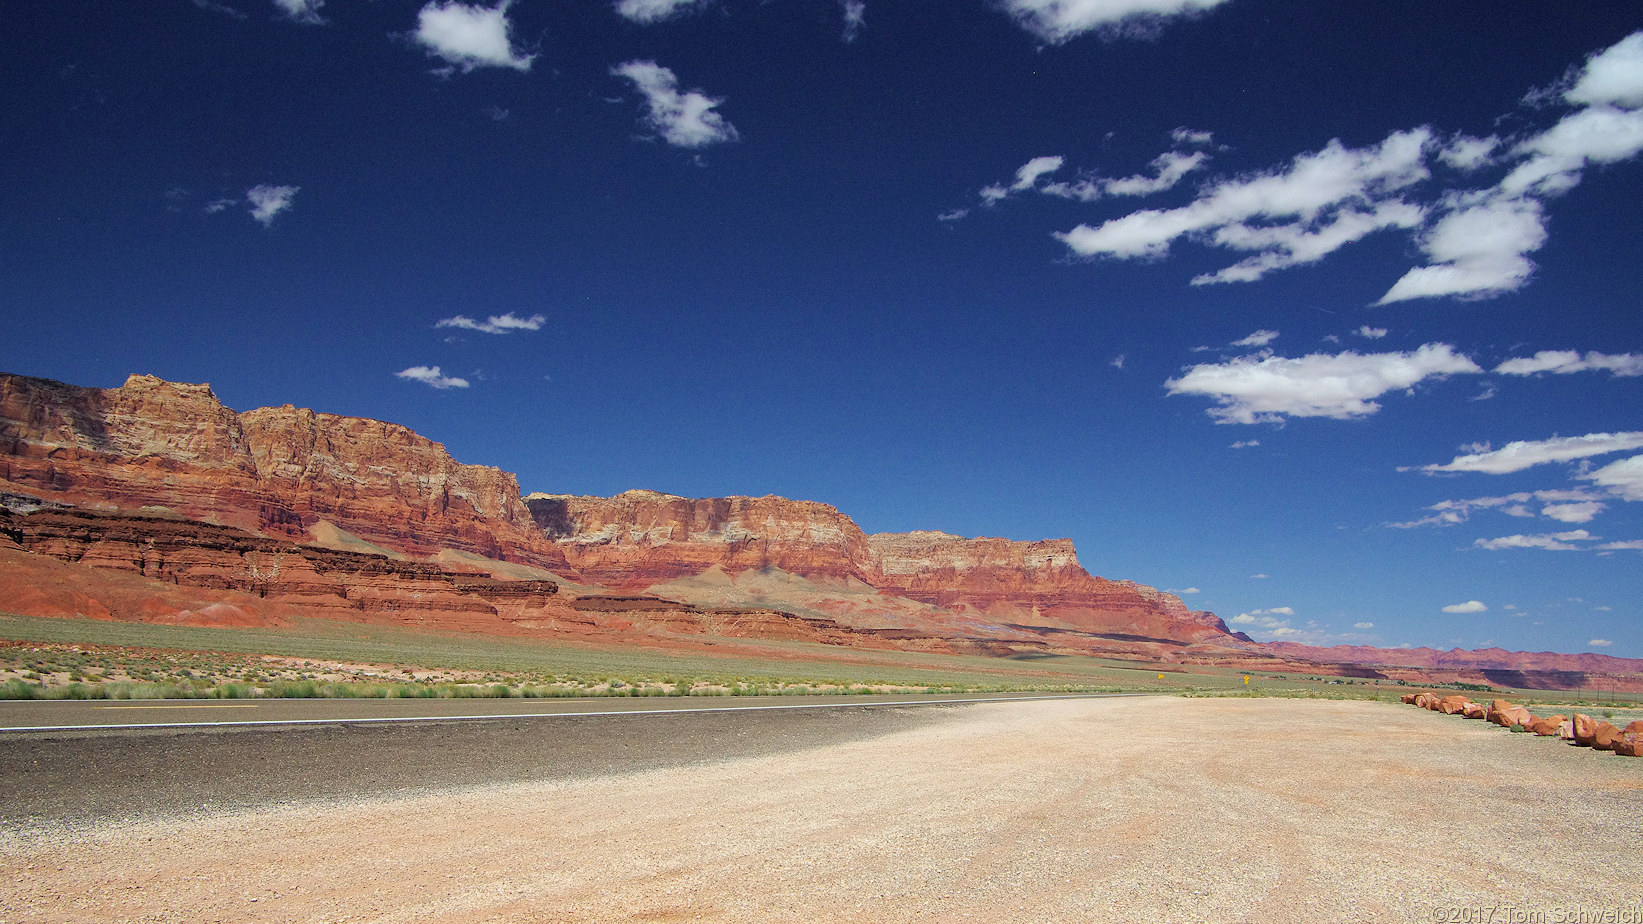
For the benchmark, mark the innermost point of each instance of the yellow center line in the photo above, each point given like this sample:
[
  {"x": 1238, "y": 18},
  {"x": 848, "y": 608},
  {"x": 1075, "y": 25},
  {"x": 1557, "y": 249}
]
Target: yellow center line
[{"x": 212, "y": 706}]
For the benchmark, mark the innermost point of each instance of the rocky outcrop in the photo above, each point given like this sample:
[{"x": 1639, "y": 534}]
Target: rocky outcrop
[
  {"x": 289, "y": 577},
  {"x": 640, "y": 538},
  {"x": 643, "y": 539},
  {"x": 1031, "y": 583},
  {"x": 153, "y": 444}
]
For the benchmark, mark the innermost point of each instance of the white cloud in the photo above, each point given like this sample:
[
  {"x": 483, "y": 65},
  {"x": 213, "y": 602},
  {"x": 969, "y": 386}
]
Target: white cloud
[
  {"x": 1464, "y": 152},
  {"x": 1479, "y": 251},
  {"x": 685, "y": 120},
  {"x": 1317, "y": 203},
  {"x": 1184, "y": 591},
  {"x": 1363, "y": 625},
  {"x": 1259, "y": 577},
  {"x": 1470, "y": 606},
  {"x": 430, "y": 375},
  {"x": 1556, "y": 542},
  {"x": 1168, "y": 169},
  {"x": 1519, "y": 455},
  {"x": 1265, "y": 389},
  {"x": 1029, "y": 172},
  {"x": 953, "y": 215},
  {"x": 652, "y": 11},
  {"x": 1477, "y": 241},
  {"x": 1258, "y": 339},
  {"x": 1600, "y": 643},
  {"x": 1480, "y": 246},
  {"x": 1564, "y": 362},
  {"x": 1564, "y": 505},
  {"x": 1371, "y": 333},
  {"x": 1575, "y": 512},
  {"x": 855, "y": 18},
  {"x": 1058, "y": 20},
  {"x": 469, "y": 37},
  {"x": 1623, "y": 478},
  {"x": 1612, "y": 77},
  {"x": 1245, "y": 444},
  {"x": 1117, "y": 361},
  {"x": 303, "y": 11},
  {"x": 495, "y": 324},
  {"x": 268, "y": 201}
]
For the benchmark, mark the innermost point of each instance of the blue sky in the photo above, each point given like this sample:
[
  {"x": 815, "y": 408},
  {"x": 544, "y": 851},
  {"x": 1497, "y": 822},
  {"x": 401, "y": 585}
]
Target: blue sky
[{"x": 1325, "y": 317}]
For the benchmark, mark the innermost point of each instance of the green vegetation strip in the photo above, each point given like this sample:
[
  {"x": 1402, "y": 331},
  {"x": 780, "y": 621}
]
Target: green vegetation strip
[{"x": 148, "y": 661}]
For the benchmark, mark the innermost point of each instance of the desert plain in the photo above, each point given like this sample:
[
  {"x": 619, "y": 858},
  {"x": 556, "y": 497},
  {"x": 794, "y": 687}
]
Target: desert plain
[{"x": 1151, "y": 808}]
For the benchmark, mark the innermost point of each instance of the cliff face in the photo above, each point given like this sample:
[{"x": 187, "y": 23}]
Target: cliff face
[
  {"x": 1031, "y": 583},
  {"x": 285, "y": 473},
  {"x": 640, "y": 539},
  {"x": 260, "y": 581},
  {"x": 281, "y": 471}
]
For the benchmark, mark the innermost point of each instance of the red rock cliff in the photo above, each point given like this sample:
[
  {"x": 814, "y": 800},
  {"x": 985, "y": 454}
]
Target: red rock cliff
[
  {"x": 1032, "y": 583},
  {"x": 640, "y": 538},
  {"x": 152, "y": 443}
]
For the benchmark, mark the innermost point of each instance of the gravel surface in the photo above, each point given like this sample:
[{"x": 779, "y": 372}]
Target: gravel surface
[{"x": 1152, "y": 809}]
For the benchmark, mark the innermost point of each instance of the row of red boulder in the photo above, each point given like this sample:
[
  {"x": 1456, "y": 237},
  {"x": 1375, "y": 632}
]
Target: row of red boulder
[{"x": 1580, "y": 729}]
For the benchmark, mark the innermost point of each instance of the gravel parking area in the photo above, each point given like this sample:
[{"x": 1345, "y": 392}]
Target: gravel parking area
[{"x": 1158, "y": 809}]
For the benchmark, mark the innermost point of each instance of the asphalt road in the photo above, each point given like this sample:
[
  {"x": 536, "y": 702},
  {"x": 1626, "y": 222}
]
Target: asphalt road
[
  {"x": 317, "y": 751},
  {"x": 77, "y": 716}
]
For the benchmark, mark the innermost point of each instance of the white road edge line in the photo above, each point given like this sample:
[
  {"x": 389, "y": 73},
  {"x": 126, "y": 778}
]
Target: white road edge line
[{"x": 556, "y": 715}]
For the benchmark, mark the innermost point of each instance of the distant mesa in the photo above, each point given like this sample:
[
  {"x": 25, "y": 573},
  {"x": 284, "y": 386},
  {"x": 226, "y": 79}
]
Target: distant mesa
[{"x": 153, "y": 502}]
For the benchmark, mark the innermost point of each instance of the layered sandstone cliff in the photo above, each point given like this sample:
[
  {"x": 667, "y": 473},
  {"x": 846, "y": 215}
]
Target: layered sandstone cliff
[
  {"x": 641, "y": 538},
  {"x": 1032, "y": 583},
  {"x": 276, "y": 578},
  {"x": 280, "y": 471},
  {"x": 645, "y": 539}
]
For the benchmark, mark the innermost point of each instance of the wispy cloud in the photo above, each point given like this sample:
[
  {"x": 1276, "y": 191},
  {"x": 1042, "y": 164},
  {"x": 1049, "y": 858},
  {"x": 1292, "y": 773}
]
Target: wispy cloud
[
  {"x": 1560, "y": 542},
  {"x": 1623, "y": 478},
  {"x": 1245, "y": 444},
  {"x": 1521, "y": 454},
  {"x": 1565, "y": 362},
  {"x": 1168, "y": 169},
  {"x": 1576, "y": 540},
  {"x": 1600, "y": 643},
  {"x": 1566, "y": 506},
  {"x": 432, "y": 376},
  {"x": 1477, "y": 240},
  {"x": 469, "y": 36},
  {"x": 1470, "y": 606},
  {"x": 269, "y": 201},
  {"x": 1371, "y": 333},
  {"x": 1264, "y": 388},
  {"x": 1296, "y": 214},
  {"x": 653, "y": 11},
  {"x": 495, "y": 324},
  {"x": 1258, "y": 339},
  {"x": 684, "y": 120},
  {"x": 1480, "y": 244},
  {"x": 1056, "y": 21},
  {"x": 224, "y": 9},
  {"x": 855, "y": 18},
  {"x": 303, "y": 11}
]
